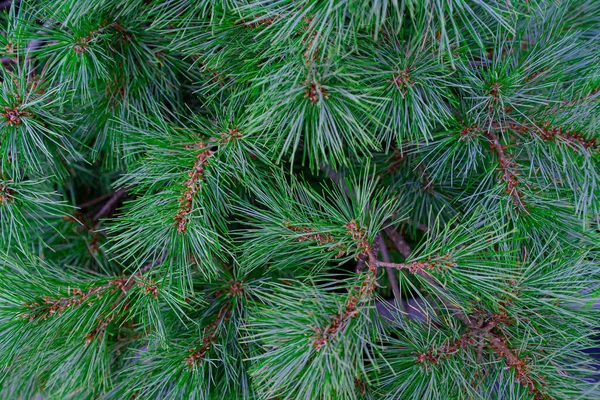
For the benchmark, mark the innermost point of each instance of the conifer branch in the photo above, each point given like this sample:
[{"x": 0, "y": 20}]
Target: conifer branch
[
  {"x": 549, "y": 134},
  {"x": 110, "y": 205},
  {"x": 508, "y": 168},
  {"x": 391, "y": 275},
  {"x": 413, "y": 267},
  {"x": 249, "y": 247},
  {"x": 76, "y": 296},
  {"x": 401, "y": 245},
  {"x": 209, "y": 335},
  {"x": 191, "y": 187},
  {"x": 483, "y": 329},
  {"x": 356, "y": 296}
]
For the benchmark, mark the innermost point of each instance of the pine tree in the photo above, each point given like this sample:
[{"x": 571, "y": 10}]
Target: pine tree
[{"x": 299, "y": 199}]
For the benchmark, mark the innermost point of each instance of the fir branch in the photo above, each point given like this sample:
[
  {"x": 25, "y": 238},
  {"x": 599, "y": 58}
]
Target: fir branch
[{"x": 520, "y": 366}]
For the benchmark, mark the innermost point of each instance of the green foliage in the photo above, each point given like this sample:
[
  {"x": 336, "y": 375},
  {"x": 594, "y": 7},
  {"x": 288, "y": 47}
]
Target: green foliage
[{"x": 283, "y": 199}]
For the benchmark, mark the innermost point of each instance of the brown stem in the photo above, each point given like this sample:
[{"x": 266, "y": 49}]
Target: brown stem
[
  {"x": 76, "y": 296},
  {"x": 191, "y": 187},
  {"x": 519, "y": 364},
  {"x": 7, "y": 62},
  {"x": 111, "y": 204},
  {"x": 95, "y": 201},
  {"x": 392, "y": 276},
  {"x": 413, "y": 267},
  {"x": 358, "y": 295},
  {"x": 360, "y": 265},
  {"x": 209, "y": 337},
  {"x": 507, "y": 166},
  {"x": 399, "y": 241}
]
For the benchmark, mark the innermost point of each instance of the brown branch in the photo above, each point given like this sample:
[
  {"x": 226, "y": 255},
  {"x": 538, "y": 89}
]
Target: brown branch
[
  {"x": 110, "y": 205},
  {"x": 507, "y": 166},
  {"x": 447, "y": 349},
  {"x": 75, "y": 296},
  {"x": 209, "y": 337},
  {"x": 392, "y": 276},
  {"x": 444, "y": 261},
  {"x": 355, "y": 298},
  {"x": 399, "y": 241},
  {"x": 413, "y": 267},
  {"x": 548, "y": 133},
  {"x": 496, "y": 342},
  {"x": 405, "y": 249},
  {"x": 309, "y": 234},
  {"x": 95, "y": 201},
  {"x": 191, "y": 186},
  {"x": 520, "y": 365}
]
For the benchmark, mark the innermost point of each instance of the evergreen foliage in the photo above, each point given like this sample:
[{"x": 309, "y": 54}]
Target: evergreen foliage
[{"x": 285, "y": 199}]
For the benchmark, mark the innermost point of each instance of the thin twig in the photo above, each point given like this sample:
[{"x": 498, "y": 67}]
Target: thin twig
[
  {"x": 420, "y": 226},
  {"x": 405, "y": 249},
  {"x": 110, "y": 204},
  {"x": 148, "y": 267},
  {"x": 392, "y": 265},
  {"x": 391, "y": 273},
  {"x": 507, "y": 166},
  {"x": 95, "y": 201},
  {"x": 399, "y": 241}
]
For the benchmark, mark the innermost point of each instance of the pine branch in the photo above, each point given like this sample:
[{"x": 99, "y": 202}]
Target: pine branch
[
  {"x": 414, "y": 267},
  {"x": 95, "y": 201},
  {"x": 357, "y": 296},
  {"x": 209, "y": 336},
  {"x": 507, "y": 167},
  {"x": 391, "y": 276},
  {"x": 191, "y": 187},
  {"x": 399, "y": 241},
  {"x": 110, "y": 205}
]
